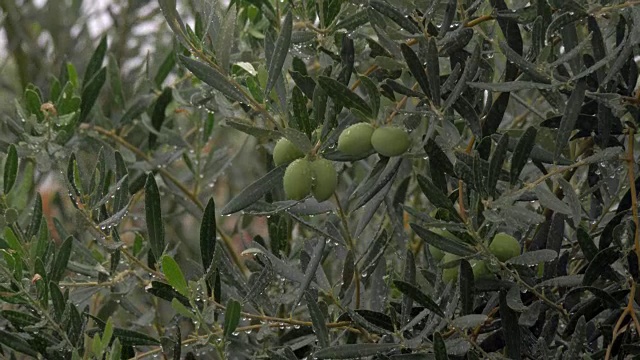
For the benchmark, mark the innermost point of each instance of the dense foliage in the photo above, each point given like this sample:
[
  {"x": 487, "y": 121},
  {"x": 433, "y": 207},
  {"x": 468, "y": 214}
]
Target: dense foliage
[{"x": 452, "y": 179}]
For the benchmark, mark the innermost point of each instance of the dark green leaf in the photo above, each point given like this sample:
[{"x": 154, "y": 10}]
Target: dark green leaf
[
  {"x": 61, "y": 260},
  {"x": 510, "y": 328},
  {"x": 469, "y": 114},
  {"x": 231, "y": 317},
  {"x": 528, "y": 68},
  {"x": 57, "y": 300},
  {"x": 174, "y": 21},
  {"x": 435, "y": 196},
  {"x": 373, "y": 94},
  {"x": 213, "y": 78},
  {"x": 495, "y": 164},
  {"x": 10, "y": 169},
  {"x": 342, "y": 95},
  {"x": 386, "y": 176},
  {"x": 439, "y": 347},
  {"x": 95, "y": 63},
  {"x": 395, "y": 15},
  {"x": 433, "y": 64},
  {"x": 90, "y": 93},
  {"x": 416, "y": 68},
  {"x": 279, "y": 52},
  {"x": 166, "y": 292},
  {"x": 347, "y": 273},
  {"x": 115, "y": 82},
  {"x": 418, "y": 296},
  {"x": 469, "y": 72},
  {"x": 353, "y": 351},
  {"x": 153, "y": 211},
  {"x": 588, "y": 247},
  {"x": 300, "y": 113},
  {"x": 311, "y": 268},
  {"x": 511, "y": 86},
  {"x": 467, "y": 287},
  {"x": 255, "y": 191},
  {"x": 443, "y": 243},
  {"x": 521, "y": 153},
  {"x": 570, "y": 116},
  {"x": 127, "y": 337},
  {"x": 158, "y": 114},
  {"x": 36, "y": 218},
  {"x": 208, "y": 234},
  {"x": 600, "y": 262}
]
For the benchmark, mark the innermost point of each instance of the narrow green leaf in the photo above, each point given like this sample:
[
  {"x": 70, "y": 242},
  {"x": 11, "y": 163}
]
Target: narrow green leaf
[
  {"x": 10, "y": 169},
  {"x": 95, "y": 63},
  {"x": 395, "y": 15},
  {"x": 152, "y": 206},
  {"x": 588, "y": 247},
  {"x": 280, "y": 52},
  {"x": 442, "y": 243},
  {"x": 317, "y": 321},
  {"x": 174, "y": 275},
  {"x": 469, "y": 72},
  {"x": 213, "y": 78},
  {"x": 418, "y": 296},
  {"x": 512, "y": 86},
  {"x": 158, "y": 115},
  {"x": 439, "y": 347},
  {"x": 90, "y": 93},
  {"x": 121, "y": 196},
  {"x": 300, "y": 113},
  {"x": 343, "y": 95},
  {"x": 165, "y": 68},
  {"x": 495, "y": 164},
  {"x": 36, "y": 218},
  {"x": 115, "y": 81},
  {"x": 466, "y": 282},
  {"x": 371, "y": 89},
  {"x": 208, "y": 234},
  {"x": 600, "y": 262},
  {"x": 570, "y": 116},
  {"x": 416, "y": 68},
  {"x": 527, "y": 67},
  {"x": 126, "y": 337},
  {"x": 550, "y": 200},
  {"x": 312, "y": 267},
  {"x": 469, "y": 114},
  {"x": 174, "y": 21},
  {"x": 61, "y": 260},
  {"x": 510, "y": 329},
  {"x": 521, "y": 153},
  {"x": 299, "y": 139},
  {"x": 231, "y": 317},
  {"x": 435, "y": 196},
  {"x": 166, "y": 292},
  {"x": 255, "y": 191},
  {"x": 433, "y": 76},
  {"x": 353, "y": 351}
]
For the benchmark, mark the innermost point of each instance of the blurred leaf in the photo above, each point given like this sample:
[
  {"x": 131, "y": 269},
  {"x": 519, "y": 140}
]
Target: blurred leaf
[
  {"x": 153, "y": 211},
  {"x": 469, "y": 321},
  {"x": 510, "y": 329},
  {"x": 279, "y": 52},
  {"x": 213, "y": 78},
  {"x": 173, "y": 19},
  {"x": 534, "y": 257},
  {"x": 231, "y": 317},
  {"x": 61, "y": 260},
  {"x": 174, "y": 275},
  {"x": 115, "y": 82},
  {"x": 208, "y": 234},
  {"x": 255, "y": 131},
  {"x": 522, "y": 152},
  {"x": 418, "y": 296},
  {"x": 570, "y": 116},
  {"x": 343, "y": 95},
  {"x": 353, "y": 351},
  {"x": 255, "y": 191},
  {"x": 165, "y": 68},
  {"x": 17, "y": 343},
  {"x": 10, "y": 169},
  {"x": 511, "y": 86}
]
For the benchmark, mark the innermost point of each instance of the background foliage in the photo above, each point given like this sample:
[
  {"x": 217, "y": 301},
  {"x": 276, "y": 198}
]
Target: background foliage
[{"x": 142, "y": 215}]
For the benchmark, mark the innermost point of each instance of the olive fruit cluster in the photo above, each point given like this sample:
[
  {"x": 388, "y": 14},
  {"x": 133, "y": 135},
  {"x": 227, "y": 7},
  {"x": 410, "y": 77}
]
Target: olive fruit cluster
[
  {"x": 361, "y": 138},
  {"x": 303, "y": 176}
]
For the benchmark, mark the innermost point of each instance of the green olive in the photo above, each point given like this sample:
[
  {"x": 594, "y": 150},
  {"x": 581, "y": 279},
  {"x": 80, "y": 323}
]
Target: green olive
[
  {"x": 480, "y": 269},
  {"x": 356, "y": 139},
  {"x": 504, "y": 246},
  {"x": 285, "y": 152},
  {"x": 390, "y": 141},
  {"x": 450, "y": 274},
  {"x": 325, "y": 179},
  {"x": 297, "y": 179}
]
